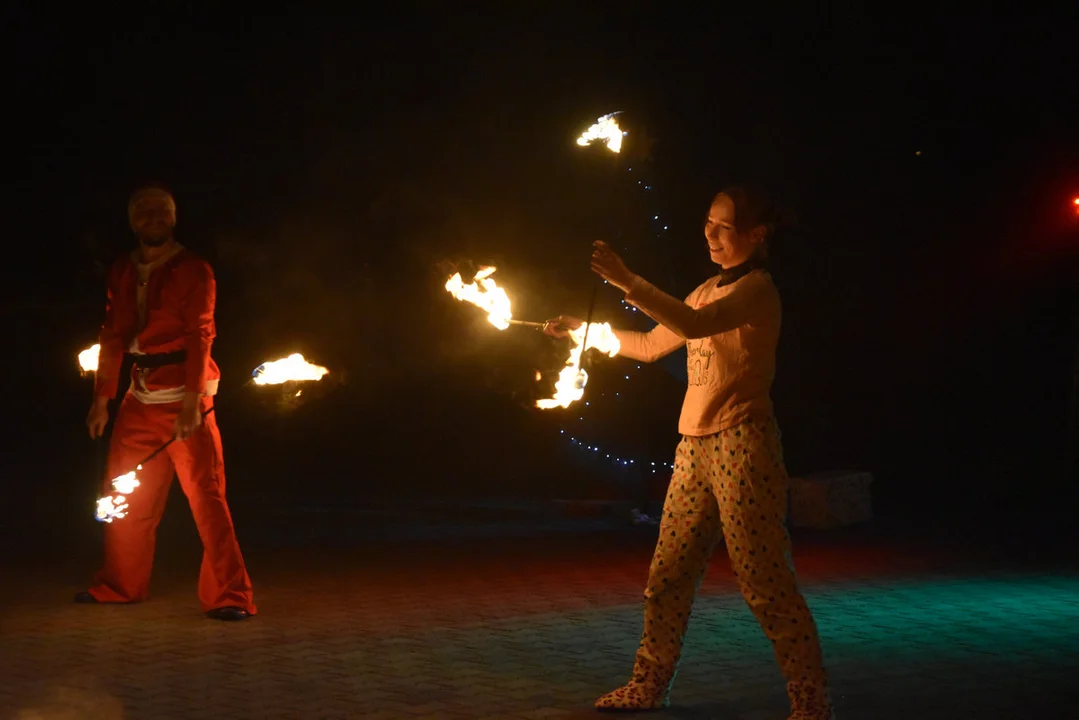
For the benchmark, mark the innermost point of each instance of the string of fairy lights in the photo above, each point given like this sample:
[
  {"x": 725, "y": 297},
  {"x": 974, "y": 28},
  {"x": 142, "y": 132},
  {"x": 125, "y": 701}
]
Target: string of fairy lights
[{"x": 659, "y": 228}]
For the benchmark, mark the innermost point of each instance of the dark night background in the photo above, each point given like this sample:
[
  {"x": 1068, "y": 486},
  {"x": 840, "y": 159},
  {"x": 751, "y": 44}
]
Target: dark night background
[{"x": 331, "y": 166}]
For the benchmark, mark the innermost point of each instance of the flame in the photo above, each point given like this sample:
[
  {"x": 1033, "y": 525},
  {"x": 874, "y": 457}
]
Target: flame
[
  {"x": 88, "y": 358},
  {"x": 107, "y": 511},
  {"x": 126, "y": 483},
  {"x": 605, "y": 129},
  {"x": 571, "y": 381},
  {"x": 291, "y": 369},
  {"x": 484, "y": 293},
  {"x": 115, "y": 506}
]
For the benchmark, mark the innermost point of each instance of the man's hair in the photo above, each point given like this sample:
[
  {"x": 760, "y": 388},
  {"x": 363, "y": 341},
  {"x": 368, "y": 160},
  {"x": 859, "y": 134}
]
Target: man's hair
[
  {"x": 148, "y": 190},
  {"x": 151, "y": 186}
]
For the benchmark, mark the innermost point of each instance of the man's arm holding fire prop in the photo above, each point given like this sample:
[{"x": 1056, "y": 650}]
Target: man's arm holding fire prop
[
  {"x": 105, "y": 364},
  {"x": 199, "y": 329}
]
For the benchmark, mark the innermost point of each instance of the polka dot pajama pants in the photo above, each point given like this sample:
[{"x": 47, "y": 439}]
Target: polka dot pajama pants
[{"x": 733, "y": 483}]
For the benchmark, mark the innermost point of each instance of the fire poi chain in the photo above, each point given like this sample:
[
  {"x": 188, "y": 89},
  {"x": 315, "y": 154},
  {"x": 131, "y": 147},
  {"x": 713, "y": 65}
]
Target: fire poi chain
[
  {"x": 293, "y": 368},
  {"x": 484, "y": 293}
]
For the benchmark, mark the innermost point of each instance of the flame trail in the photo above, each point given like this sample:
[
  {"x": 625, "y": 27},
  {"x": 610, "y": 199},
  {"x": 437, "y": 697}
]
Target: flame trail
[{"x": 571, "y": 382}]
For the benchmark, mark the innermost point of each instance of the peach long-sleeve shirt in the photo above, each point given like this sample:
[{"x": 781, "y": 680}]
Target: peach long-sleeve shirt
[{"x": 730, "y": 333}]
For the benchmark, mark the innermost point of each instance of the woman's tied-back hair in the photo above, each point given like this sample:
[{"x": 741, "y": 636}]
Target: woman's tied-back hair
[{"x": 752, "y": 208}]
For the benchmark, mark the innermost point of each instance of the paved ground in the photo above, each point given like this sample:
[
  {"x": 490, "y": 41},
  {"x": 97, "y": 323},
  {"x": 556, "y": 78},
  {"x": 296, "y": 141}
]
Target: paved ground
[{"x": 452, "y": 615}]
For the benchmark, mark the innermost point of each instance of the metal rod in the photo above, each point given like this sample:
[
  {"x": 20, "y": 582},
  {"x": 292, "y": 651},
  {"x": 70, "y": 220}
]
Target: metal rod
[
  {"x": 587, "y": 323},
  {"x": 526, "y": 323},
  {"x": 206, "y": 412},
  {"x": 161, "y": 449}
]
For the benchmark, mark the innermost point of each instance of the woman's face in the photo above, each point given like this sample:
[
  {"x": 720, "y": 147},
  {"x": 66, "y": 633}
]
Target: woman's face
[{"x": 726, "y": 245}]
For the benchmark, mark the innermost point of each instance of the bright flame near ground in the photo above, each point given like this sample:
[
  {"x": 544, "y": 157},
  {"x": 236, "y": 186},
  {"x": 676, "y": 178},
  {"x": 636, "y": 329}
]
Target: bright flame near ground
[
  {"x": 88, "y": 358},
  {"x": 291, "y": 369},
  {"x": 484, "y": 293},
  {"x": 570, "y": 385},
  {"x": 605, "y": 129},
  {"x": 115, "y": 506}
]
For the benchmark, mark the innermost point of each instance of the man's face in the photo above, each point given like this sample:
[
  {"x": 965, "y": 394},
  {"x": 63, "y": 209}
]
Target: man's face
[{"x": 153, "y": 220}]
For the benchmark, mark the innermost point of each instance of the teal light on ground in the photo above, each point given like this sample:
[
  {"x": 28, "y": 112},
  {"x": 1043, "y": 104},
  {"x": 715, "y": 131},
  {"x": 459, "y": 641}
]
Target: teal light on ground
[
  {"x": 919, "y": 646},
  {"x": 953, "y": 618},
  {"x": 996, "y": 622}
]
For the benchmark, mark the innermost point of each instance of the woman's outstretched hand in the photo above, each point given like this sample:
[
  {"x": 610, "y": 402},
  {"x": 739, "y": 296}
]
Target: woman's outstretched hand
[
  {"x": 561, "y": 325},
  {"x": 608, "y": 265}
]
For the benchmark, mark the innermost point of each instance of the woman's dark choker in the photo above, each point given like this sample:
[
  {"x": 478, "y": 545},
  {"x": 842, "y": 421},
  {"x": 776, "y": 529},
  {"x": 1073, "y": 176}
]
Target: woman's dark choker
[{"x": 730, "y": 275}]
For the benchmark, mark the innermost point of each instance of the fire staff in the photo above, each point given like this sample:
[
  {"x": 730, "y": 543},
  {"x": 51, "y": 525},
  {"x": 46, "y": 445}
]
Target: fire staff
[
  {"x": 729, "y": 477},
  {"x": 160, "y": 310}
]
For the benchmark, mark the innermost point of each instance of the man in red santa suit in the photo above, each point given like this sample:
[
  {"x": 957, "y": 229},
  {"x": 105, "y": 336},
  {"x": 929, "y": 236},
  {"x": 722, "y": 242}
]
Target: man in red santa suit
[{"x": 160, "y": 310}]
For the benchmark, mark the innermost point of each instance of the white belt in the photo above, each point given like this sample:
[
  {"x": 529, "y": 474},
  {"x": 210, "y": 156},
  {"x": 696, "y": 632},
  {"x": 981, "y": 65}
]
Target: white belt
[{"x": 165, "y": 395}]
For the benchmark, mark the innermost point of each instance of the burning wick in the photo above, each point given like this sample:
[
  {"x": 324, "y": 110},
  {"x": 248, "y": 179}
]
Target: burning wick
[
  {"x": 88, "y": 359},
  {"x": 484, "y": 293},
  {"x": 572, "y": 380},
  {"x": 291, "y": 369},
  {"x": 115, "y": 506},
  {"x": 606, "y": 130}
]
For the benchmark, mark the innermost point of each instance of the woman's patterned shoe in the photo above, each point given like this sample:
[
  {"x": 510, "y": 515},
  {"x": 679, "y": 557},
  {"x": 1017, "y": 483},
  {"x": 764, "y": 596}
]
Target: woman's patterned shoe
[
  {"x": 633, "y": 697},
  {"x": 803, "y": 716},
  {"x": 812, "y": 703}
]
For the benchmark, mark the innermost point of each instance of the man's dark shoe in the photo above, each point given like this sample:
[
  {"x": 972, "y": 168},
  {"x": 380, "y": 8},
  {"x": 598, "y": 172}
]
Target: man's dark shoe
[
  {"x": 228, "y": 613},
  {"x": 86, "y": 598}
]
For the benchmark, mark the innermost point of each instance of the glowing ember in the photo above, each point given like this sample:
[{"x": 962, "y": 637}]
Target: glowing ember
[
  {"x": 88, "y": 358},
  {"x": 606, "y": 130},
  {"x": 291, "y": 369},
  {"x": 571, "y": 381},
  {"x": 115, "y": 506},
  {"x": 484, "y": 293}
]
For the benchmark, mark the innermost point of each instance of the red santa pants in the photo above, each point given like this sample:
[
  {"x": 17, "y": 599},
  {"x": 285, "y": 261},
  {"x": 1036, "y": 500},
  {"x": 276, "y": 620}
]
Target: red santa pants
[{"x": 129, "y": 541}]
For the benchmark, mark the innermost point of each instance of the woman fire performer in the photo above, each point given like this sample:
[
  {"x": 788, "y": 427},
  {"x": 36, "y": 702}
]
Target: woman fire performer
[{"x": 729, "y": 476}]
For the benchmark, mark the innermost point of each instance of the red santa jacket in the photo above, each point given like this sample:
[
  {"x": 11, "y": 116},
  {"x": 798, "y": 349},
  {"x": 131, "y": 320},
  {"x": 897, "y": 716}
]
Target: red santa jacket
[{"x": 175, "y": 336}]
